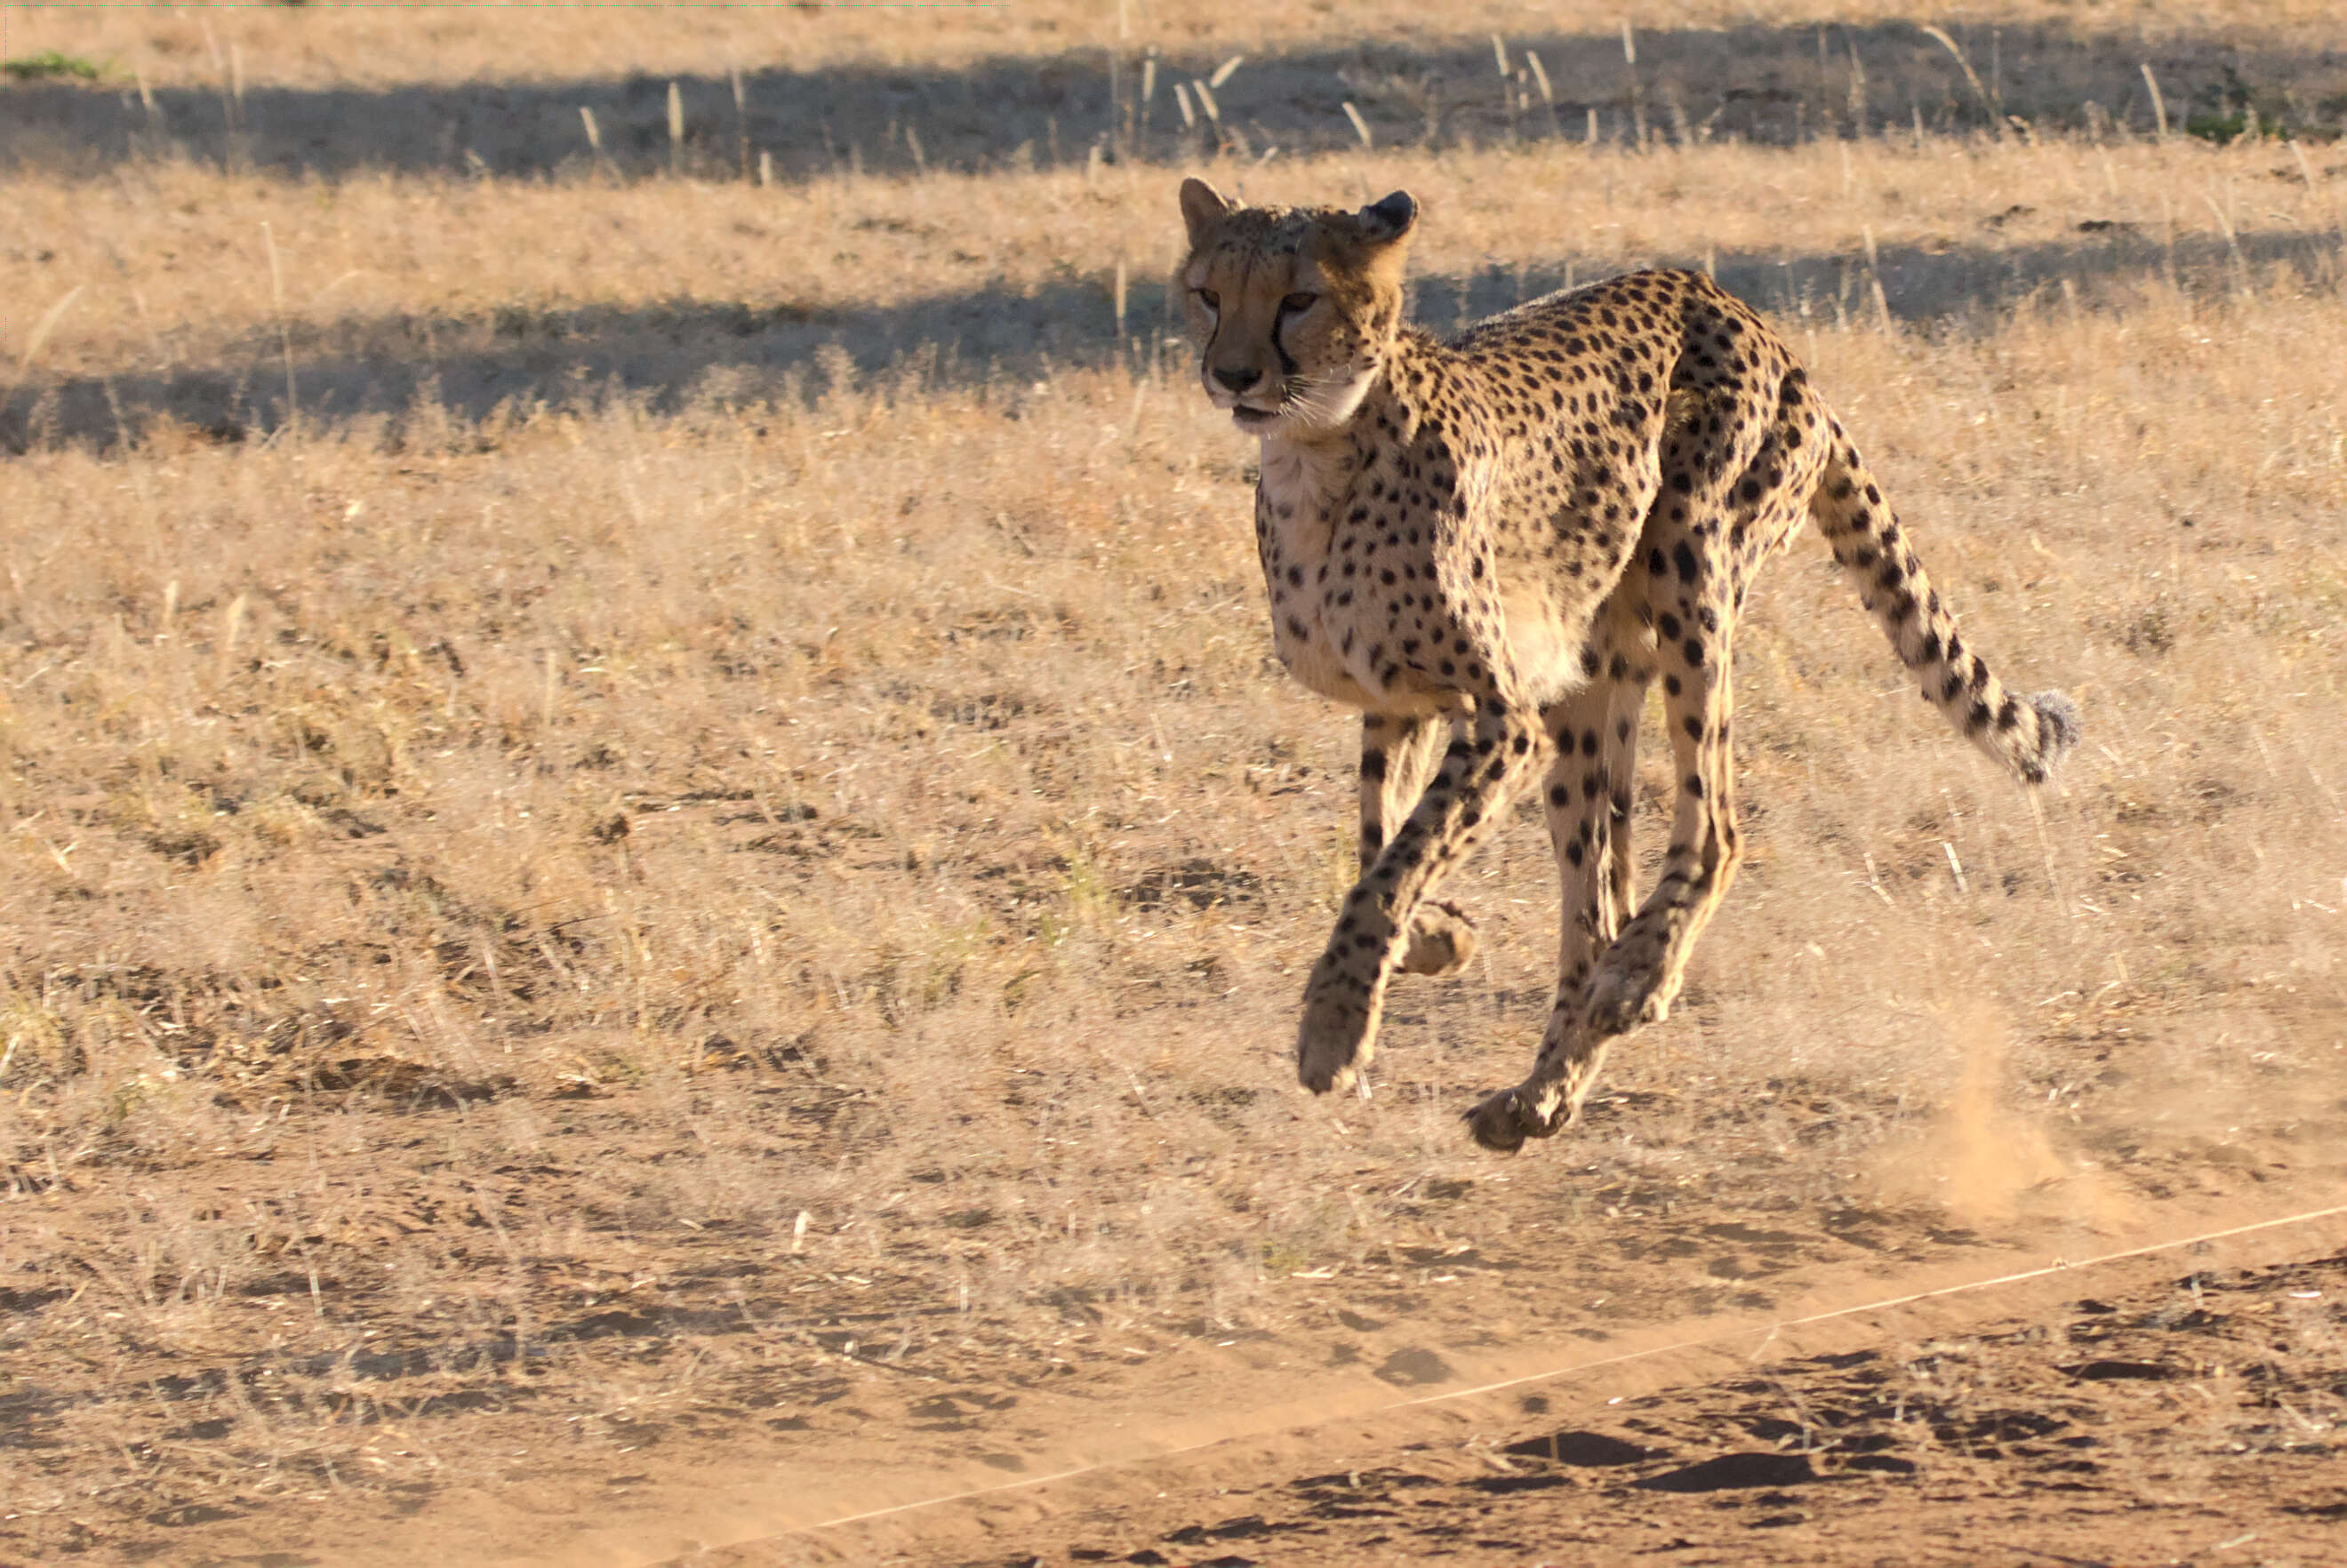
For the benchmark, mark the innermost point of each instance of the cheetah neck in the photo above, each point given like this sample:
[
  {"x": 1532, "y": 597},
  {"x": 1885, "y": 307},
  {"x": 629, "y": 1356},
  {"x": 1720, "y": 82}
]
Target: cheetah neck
[
  {"x": 1301, "y": 480},
  {"x": 1306, "y": 471}
]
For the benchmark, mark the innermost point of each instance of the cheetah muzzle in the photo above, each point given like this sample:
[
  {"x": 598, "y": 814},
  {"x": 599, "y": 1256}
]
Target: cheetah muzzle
[{"x": 1491, "y": 546}]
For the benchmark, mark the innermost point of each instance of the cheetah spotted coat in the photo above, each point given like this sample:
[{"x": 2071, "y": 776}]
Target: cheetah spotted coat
[{"x": 1491, "y": 547}]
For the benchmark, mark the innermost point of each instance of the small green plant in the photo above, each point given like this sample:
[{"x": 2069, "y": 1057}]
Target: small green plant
[
  {"x": 2225, "y": 127},
  {"x": 2241, "y": 110},
  {"x": 1280, "y": 1257},
  {"x": 48, "y": 65}
]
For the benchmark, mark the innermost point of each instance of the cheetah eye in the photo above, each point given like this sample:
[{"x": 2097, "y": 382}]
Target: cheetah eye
[
  {"x": 1208, "y": 298},
  {"x": 1299, "y": 302}
]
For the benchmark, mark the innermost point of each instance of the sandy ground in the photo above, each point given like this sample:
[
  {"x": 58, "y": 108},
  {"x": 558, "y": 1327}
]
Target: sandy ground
[
  {"x": 2180, "y": 1405},
  {"x": 1875, "y": 1394}
]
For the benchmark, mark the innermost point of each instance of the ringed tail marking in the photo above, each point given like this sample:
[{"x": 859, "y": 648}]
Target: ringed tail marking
[{"x": 2026, "y": 735}]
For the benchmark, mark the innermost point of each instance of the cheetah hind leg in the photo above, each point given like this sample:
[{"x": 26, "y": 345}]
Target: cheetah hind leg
[
  {"x": 1442, "y": 939},
  {"x": 1595, "y": 735}
]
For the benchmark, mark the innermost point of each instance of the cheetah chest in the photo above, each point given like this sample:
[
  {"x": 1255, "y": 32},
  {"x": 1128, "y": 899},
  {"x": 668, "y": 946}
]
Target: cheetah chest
[{"x": 1333, "y": 612}]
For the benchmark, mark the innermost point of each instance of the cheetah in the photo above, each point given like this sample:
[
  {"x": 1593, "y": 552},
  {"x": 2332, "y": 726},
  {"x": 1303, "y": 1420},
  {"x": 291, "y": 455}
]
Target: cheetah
[{"x": 1491, "y": 546}]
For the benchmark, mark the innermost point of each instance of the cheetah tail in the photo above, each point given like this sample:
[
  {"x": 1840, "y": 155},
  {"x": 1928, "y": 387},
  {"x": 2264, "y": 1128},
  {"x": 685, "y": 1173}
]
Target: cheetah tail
[{"x": 2027, "y": 734}]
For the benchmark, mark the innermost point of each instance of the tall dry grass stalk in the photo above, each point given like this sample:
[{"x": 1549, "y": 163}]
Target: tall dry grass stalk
[
  {"x": 38, "y": 339},
  {"x": 2158, "y": 103},
  {"x": 284, "y": 334},
  {"x": 676, "y": 130}
]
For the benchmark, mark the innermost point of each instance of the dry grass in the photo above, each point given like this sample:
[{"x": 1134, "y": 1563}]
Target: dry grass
[
  {"x": 794, "y": 93},
  {"x": 662, "y": 827},
  {"x": 533, "y": 294},
  {"x": 334, "y": 45}
]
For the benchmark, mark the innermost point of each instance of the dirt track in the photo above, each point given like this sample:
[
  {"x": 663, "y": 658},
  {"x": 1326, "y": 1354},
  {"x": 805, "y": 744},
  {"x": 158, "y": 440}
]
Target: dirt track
[
  {"x": 2054, "y": 1396},
  {"x": 2176, "y": 1405}
]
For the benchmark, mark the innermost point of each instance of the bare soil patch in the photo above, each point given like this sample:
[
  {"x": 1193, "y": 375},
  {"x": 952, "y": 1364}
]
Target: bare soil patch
[{"x": 2190, "y": 1416}]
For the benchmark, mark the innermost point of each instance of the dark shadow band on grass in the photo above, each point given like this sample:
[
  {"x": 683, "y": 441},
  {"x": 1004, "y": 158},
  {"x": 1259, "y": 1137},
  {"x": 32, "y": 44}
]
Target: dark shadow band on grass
[
  {"x": 1771, "y": 86},
  {"x": 412, "y": 376}
]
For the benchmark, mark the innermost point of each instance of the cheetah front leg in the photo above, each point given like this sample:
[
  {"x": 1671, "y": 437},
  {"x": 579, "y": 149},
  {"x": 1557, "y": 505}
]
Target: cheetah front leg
[
  {"x": 1396, "y": 750},
  {"x": 1479, "y": 773}
]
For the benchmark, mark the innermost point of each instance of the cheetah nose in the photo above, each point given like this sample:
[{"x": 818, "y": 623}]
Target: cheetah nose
[{"x": 1237, "y": 380}]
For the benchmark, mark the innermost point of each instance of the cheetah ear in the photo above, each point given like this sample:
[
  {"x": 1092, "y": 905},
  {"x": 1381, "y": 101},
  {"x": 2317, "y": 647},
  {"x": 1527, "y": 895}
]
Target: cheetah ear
[
  {"x": 1204, "y": 208},
  {"x": 1384, "y": 221}
]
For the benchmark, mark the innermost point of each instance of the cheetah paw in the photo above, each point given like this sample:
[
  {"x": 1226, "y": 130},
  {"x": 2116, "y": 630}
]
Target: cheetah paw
[
  {"x": 1441, "y": 940},
  {"x": 1502, "y": 1121}
]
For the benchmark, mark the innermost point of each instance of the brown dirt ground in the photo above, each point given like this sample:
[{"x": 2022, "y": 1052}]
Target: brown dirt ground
[
  {"x": 2177, "y": 1406},
  {"x": 2140, "y": 1410}
]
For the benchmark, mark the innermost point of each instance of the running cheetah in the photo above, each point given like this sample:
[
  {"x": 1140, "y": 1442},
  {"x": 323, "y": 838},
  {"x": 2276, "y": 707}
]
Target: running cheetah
[{"x": 1499, "y": 540}]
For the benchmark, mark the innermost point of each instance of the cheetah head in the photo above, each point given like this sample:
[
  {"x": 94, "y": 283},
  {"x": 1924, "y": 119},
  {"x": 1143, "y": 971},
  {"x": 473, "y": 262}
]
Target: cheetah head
[{"x": 1293, "y": 308}]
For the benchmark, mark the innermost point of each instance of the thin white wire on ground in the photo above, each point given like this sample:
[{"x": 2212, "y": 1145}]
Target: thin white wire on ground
[{"x": 1706, "y": 1342}]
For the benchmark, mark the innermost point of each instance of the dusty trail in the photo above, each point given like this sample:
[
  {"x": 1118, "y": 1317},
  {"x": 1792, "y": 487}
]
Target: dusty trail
[
  {"x": 1197, "y": 1468},
  {"x": 1158, "y": 1452}
]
